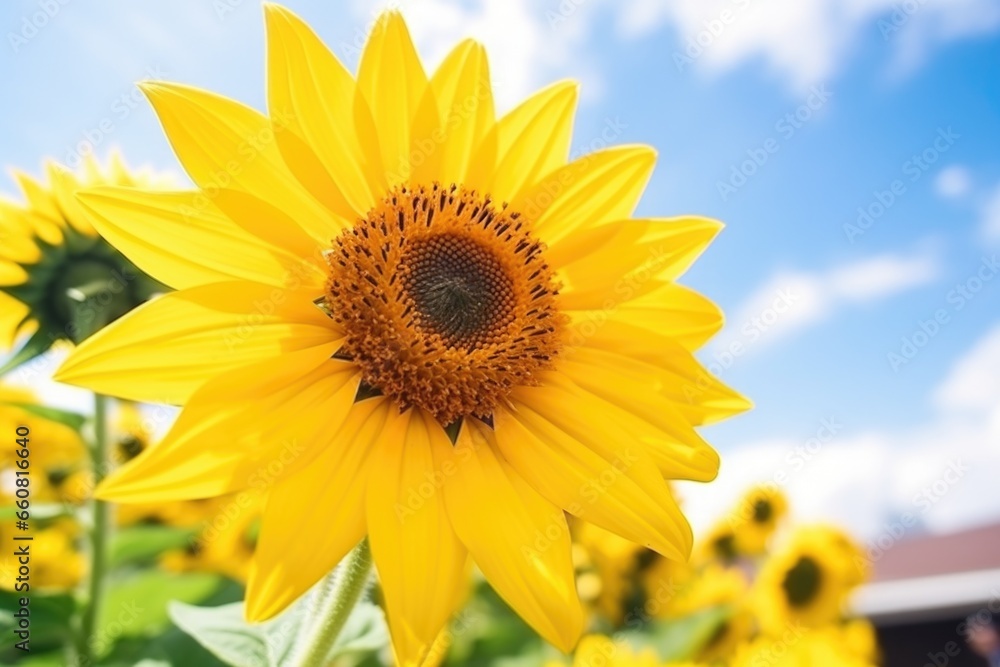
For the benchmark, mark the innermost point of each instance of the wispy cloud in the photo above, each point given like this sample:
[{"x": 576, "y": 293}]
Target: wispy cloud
[
  {"x": 792, "y": 301},
  {"x": 942, "y": 470}
]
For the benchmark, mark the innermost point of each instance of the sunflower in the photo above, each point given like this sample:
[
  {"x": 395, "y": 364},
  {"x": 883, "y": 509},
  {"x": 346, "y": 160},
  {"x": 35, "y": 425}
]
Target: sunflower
[
  {"x": 410, "y": 320},
  {"x": 56, "y": 561},
  {"x": 756, "y": 518},
  {"x": 609, "y": 582},
  {"x": 799, "y": 648},
  {"x": 224, "y": 543},
  {"x": 59, "y": 463},
  {"x": 808, "y": 581},
  {"x": 597, "y": 650},
  {"x": 58, "y": 279},
  {"x": 718, "y": 545}
]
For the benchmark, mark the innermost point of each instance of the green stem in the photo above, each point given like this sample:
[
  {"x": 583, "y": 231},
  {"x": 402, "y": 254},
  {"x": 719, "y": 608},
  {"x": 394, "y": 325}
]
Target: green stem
[
  {"x": 338, "y": 594},
  {"x": 100, "y": 534}
]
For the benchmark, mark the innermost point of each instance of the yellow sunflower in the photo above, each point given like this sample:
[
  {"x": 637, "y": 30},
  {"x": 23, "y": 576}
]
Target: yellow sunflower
[
  {"x": 756, "y": 517},
  {"x": 58, "y": 461},
  {"x": 410, "y": 320},
  {"x": 59, "y": 280},
  {"x": 609, "y": 581},
  {"x": 807, "y": 582},
  {"x": 56, "y": 561},
  {"x": 797, "y": 647},
  {"x": 601, "y": 651}
]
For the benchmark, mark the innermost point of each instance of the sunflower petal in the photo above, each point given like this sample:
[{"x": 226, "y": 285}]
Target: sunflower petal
[
  {"x": 659, "y": 365},
  {"x": 164, "y": 350},
  {"x": 243, "y": 429},
  {"x": 392, "y": 82},
  {"x": 533, "y": 140},
  {"x": 325, "y": 501},
  {"x": 593, "y": 473},
  {"x": 458, "y": 147},
  {"x": 312, "y": 94},
  {"x": 600, "y": 187},
  {"x": 224, "y": 144},
  {"x": 419, "y": 558},
  {"x": 518, "y": 539},
  {"x": 183, "y": 241}
]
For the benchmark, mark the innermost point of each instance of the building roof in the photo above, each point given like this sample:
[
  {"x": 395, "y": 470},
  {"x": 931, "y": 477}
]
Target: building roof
[{"x": 931, "y": 577}]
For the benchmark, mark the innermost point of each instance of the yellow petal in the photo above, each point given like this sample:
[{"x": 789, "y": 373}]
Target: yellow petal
[
  {"x": 325, "y": 501},
  {"x": 667, "y": 309},
  {"x": 597, "y": 188},
  {"x": 392, "y": 82},
  {"x": 12, "y": 314},
  {"x": 459, "y": 146},
  {"x": 65, "y": 185},
  {"x": 658, "y": 364},
  {"x": 519, "y": 540},
  {"x": 183, "y": 241},
  {"x": 243, "y": 430},
  {"x": 420, "y": 561},
  {"x": 624, "y": 259},
  {"x": 12, "y": 273},
  {"x": 39, "y": 198},
  {"x": 595, "y": 474},
  {"x": 164, "y": 350},
  {"x": 645, "y": 417},
  {"x": 224, "y": 144},
  {"x": 312, "y": 94},
  {"x": 533, "y": 139}
]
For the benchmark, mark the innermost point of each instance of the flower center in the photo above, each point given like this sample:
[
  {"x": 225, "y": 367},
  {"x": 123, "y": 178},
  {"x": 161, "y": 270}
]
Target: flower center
[
  {"x": 802, "y": 582},
  {"x": 445, "y": 301},
  {"x": 459, "y": 289},
  {"x": 762, "y": 511}
]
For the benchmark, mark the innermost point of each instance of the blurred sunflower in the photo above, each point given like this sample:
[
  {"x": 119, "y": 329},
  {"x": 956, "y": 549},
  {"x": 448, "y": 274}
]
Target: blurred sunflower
[
  {"x": 757, "y": 516},
  {"x": 224, "y": 544},
  {"x": 59, "y": 462},
  {"x": 718, "y": 544},
  {"x": 56, "y": 561},
  {"x": 808, "y": 581},
  {"x": 798, "y": 648},
  {"x": 446, "y": 334},
  {"x": 598, "y": 650},
  {"x": 59, "y": 279}
]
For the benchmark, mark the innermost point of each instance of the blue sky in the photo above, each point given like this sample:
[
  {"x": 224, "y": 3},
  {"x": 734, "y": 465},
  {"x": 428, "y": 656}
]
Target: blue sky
[{"x": 884, "y": 92}]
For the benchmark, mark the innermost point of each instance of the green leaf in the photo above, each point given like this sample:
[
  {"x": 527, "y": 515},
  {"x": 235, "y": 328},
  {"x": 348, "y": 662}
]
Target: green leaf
[
  {"x": 73, "y": 420},
  {"x": 223, "y": 632},
  {"x": 37, "y": 345},
  {"x": 683, "y": 638},
  {"x": 38, "y": 512},
  {"x": 142, "y": 544},
  {"x": 137, "y": 605}
]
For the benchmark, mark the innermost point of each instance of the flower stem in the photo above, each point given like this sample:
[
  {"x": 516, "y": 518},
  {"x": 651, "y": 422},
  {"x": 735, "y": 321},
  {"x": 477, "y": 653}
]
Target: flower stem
[
  {"x": 338, "y": 594},
  {"x": 99, "y": 535}
]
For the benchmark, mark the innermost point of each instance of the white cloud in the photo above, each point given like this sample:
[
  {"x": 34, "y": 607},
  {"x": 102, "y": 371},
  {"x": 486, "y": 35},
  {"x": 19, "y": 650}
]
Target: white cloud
[
  {"x": 942, "y": 471},
  {"x": 807, "y": 41},
  {"x": 990, "y": 215},
  {"x": 525, "y": 50},
  {"x": 790, "y": 302},
  {"x": 953, "y": 182},
  {"x": 804, "y": 42}
]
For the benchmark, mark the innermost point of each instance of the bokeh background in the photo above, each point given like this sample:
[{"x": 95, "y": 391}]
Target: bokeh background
[{"x": 851, "y": 146}]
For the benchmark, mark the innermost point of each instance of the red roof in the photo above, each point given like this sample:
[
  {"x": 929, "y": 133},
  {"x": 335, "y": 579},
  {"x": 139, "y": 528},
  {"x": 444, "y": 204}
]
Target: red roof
[{"x": 928, "y": 555}]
